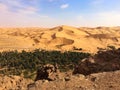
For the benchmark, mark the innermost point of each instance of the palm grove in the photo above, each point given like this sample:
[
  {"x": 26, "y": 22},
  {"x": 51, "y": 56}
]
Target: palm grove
[{"x": 26, "y": 63}]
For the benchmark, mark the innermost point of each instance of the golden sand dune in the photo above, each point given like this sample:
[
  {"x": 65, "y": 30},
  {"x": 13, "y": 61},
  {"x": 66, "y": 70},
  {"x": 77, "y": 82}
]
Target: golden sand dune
[{"x": 59, "y": 38}]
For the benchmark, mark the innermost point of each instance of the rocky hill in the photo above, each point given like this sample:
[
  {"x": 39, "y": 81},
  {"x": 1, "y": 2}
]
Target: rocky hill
[{"x": 59, "y": 38}]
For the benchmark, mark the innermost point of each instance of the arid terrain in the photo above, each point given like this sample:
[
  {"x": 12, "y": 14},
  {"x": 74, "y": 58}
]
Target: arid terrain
[
  {"x": 64, "y": 81},
  {"x": 98, "y": 71},
  {"x": 59, "y": 38}
]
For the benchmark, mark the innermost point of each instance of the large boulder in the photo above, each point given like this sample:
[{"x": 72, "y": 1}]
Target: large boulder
[
  {"x": 103, "y": 61},
  {"x": 47, "y": 72}
]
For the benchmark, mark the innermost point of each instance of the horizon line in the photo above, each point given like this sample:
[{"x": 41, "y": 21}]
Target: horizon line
[{"x": 57, "y": 26}]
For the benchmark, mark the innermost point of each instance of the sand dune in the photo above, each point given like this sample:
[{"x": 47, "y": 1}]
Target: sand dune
[{"x": 59, "y": 38}]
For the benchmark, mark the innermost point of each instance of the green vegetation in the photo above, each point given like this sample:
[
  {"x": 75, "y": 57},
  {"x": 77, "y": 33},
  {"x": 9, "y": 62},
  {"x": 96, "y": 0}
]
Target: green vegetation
[{"x": 27, "y": 63}]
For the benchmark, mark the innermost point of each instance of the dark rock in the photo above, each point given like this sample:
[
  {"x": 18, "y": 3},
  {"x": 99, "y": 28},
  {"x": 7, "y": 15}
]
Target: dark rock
[
  {"x": 46, "y": 72},
  {"x": 104, "y": 61}
]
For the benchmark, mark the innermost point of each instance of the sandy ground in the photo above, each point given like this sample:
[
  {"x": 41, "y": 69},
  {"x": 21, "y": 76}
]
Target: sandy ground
[{"x": 59, "y": 38}]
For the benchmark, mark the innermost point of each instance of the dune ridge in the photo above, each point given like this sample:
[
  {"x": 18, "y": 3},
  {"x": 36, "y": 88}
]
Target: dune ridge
[{"x": 59, "y": 38}]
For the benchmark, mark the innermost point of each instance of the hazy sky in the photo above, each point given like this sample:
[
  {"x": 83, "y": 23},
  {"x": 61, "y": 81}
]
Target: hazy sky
[{"x": 50, "y": 13}]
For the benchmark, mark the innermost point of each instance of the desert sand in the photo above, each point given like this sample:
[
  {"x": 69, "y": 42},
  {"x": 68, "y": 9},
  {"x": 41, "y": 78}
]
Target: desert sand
[{"x": 59, "y": 38}]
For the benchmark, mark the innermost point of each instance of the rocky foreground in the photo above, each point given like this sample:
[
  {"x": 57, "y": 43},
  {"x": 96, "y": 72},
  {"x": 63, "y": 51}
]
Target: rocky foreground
[
  {"x": 13, "y": 82},
  {"x": 66, "y": 81},
  {"x": 99, "y": 81},
  {"x": 98, "y": 72}
]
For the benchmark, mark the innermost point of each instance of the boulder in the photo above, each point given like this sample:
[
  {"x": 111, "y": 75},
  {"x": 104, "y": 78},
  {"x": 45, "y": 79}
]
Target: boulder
[
  {"x": 47, "y": 72},
  {"x": 104, "y": 61}
]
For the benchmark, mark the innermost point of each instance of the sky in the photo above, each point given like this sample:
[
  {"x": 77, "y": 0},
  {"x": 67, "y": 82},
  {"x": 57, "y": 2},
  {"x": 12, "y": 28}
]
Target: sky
[{"x": 51, "y": 13}]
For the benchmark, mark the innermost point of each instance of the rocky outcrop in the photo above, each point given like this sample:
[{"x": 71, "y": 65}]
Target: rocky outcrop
[
  {"x": 104, "y": 61},
  {"x": 47, "y": 72},
  {"x": 86, "y": 67},
  {"x": 66, "y": 81}
]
